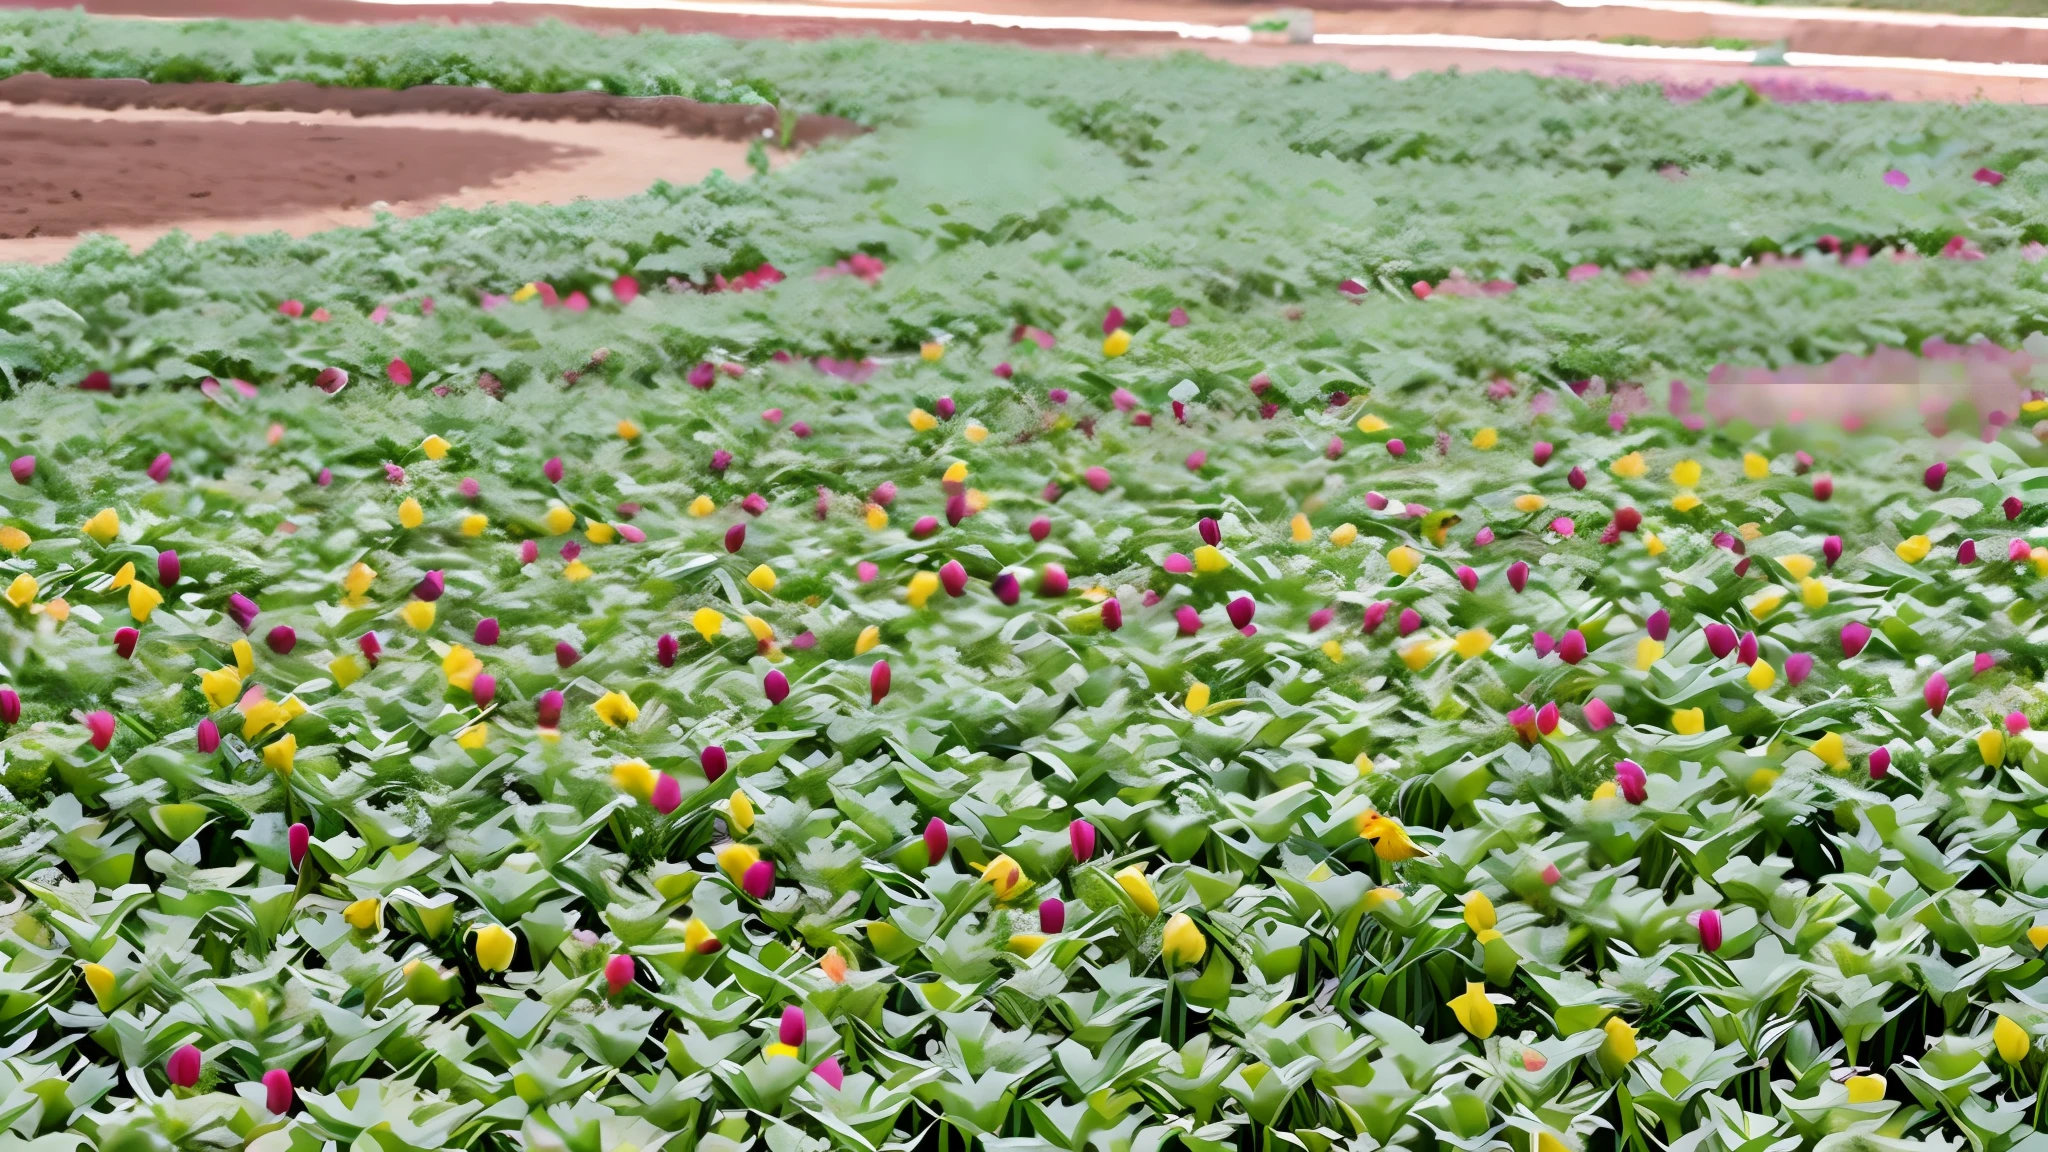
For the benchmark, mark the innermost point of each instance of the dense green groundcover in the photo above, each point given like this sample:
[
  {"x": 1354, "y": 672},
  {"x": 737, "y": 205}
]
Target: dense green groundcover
[{"x": 1286, "y": 720}]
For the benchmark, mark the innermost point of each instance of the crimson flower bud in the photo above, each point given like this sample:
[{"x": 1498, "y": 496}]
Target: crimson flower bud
[
  {"x": 566, "y": 654},
  {"x": 1189, "y": 620},
  {"x": 1376, "y": 614},
  {"x": 1935, "y": 474},
  {"x": 1720, "y": 639},
  {"x": 1053, "y": 582},
  {"x": 775, "y": 686},
  {"x": 1409, "y": 621},
  {"x": 1627, "y": 519},
  {"x": 207, "y": 736},
  {"x": 277, "y": 1091},
  {"x": 668, "y": 794},
  {"x": 430, "y": 587},
  {"x": 759, "y": 880},
  {"x": 1798, "y": 666},
  {"x": 1746, "y": 649},
  {"x": 1633, "y": 782},
  {"x": 1598, "y": 715},
  {"x": 618, "y": 974},
  {"x": 2013, "y": 507},
  {"x": 944, "y": 407},
  {"x": 1210, "y": 531},
  {"x": 182, "y": 1069},
  {"x": 167, "y": 568},
  {"x": 925, "y": 526},
  {"x": 160, "y": 468},
  {"x": 666, "y": 649},
  {"x": 483, "y": 689},
  {"x": 1823, "y": 487},
  {"x": 487, "y": 630},
  {"x": 1546, "y": 718},
  {"x": 10, "y": 706},
  {"x": 2017, "y": 551},
  {"x": 547, "y": 709},
  {"x": 1936, "y": 693},
  {"x": 2015, "y": 723},
  {"x": 1709, "y": 925},
  {"x": 1005, "y": 587},
  {"x": 124, "y": 642},
  {"x": 953, "y": 578},
  {"x": 1540, "y": 453},
  {"x": 1576, "y": 478},
  {"x": 936, "y": 840},
  {"x": 23, "y": 468},
  {"x": 282, "y": 639},
  {"x": 298, "y": 838},
  {"x": 1041, "y": 527},
  {"x": 1241, "y": 611},
  {"x": 1855, "y": 634},
  {"x": 735, "y": 537},
  {"x": 552, "y": 469},
  {"x": 1468, "y": 577},
  {"x": 1966, "y": 552},
  {"x": 1658, "y": 625},
  {"x": 878, "y": 682},
  {"x": 1052, "y": 916},
  {"x": 1081, "y": 838},
  {"x": 242, "y": 611},
  {"x": 1518, "y": 575},
  {"x": 99, "y": 727},
  {"x": 1112, "y": 614},
  {"x": 1880, "y": 763},
  {"x": 1523, "y": 720},
  {"x": 713, "y": 761},
  {"x": 1571, "y": 647},
  {"x": 1831, "y": 550},
  {"x": 371, "y": 647},
  {"x": 1542, "y": 643}
]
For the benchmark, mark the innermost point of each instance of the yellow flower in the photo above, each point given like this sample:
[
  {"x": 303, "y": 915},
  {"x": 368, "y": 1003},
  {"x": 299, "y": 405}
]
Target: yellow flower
[
  {"x": 558, "y": 520},
  {"x": 245, "y": 658},
  {"x": 364, "y": 914},
  {"x": 779, "y": 1049},
  {"x": 409, "y": 514},
  {"x": 1620, "y": 1045},
  {"x": 634, "y": 778},
  {"x": 1403, "y": 560},
  {"x": 1132, "y": 881},
  {"x": 1333, "y": 650},
  {"x": 1797, "y": 566},
  {"x": 1648, "y": 652},
  {"x": 417, "y": 614},
  {"x": 435, "y": 447},
  {"x": 1198, "y": 697},
  {"x": 104, "y": 525},
  {"x": 1760, "y": 781},
  {"x": 628, "y": 430},
  {"x": 702, "y": 506},
  {"x": 975, "y": 433},
  {"x": 260, "y": 716},
  {"x": 475, "y": 523},
  {"x": 358, "y": 579},
  {"x": 1116, "y": 343},
  {"x": 1343, "y": 534},
  {"x": 575, "y": 572},
  {"x": 221, "y": 686},
  {"x": 1831, "y": 752},
  {"x": 599, "y": 532},
  {"x": 100, "y": 979},
  {"x": 2012, "y": 1040},
  {"x": 494, "y": 948},
  {"x": 346, "y": 670},
  {"x": 13, "y": 539},
  {"x": 1182, "y": 945},
  {"x": 1606, "y": 791},
  {"x": 1472, "y": 643},
  {"x": 922, "y": 585},
  {"x": 1813, "y": 593},
  {"x": 1653, "y": 544},
  {"x": 1865, "y": 1089},
  {"x": 922, "y": 421},
  {"x": 142, "y": 600},
  {"x": 1913, "y": 549},
  {"x": 1210, "y": 560},
  {"x": 708, "y": 622},
  {"x": 461, "y": 666},
  {"x": 1364, "y": 764},
  {"x": 1991, "y": 746},
  {"x": 2038, "y": 937},
  {"x": 523, "y": 293},
  {"x": 1027, "y": 943},
  {"x": 1475, "y": 1012},
  {"x": 758, "y": 627},
  {"x": 868, "y": 638},
  {"x": 1689, "y": 721},
  {"x": 615, "y": 709},
  {"x": 21, "y": 592},
  {"x": 1762, "y": 676},
  {"x": 741, "y": 806},
  {"x": 1685, "y": 502},
  {"x": 1479, "y": 912},
  {"x": 931, "y": 350},
  {"x": 956, "y": 472},
  {"x": 1299, "y": 529},
  {"x": 474, "y": 736},
  {"x": 279, "y": 754},
  {"x": 1630, "y": 467},
  {"x": 735, "y": 859},
  {"x": 1390, "y": 840},
  {"x": 1007, "y": 878},
  {"x": 1754, "y": 466},
  {"x": 696, "y": 934},
  {"x": 1530, "y": 502},
  {"x": 1419, "y": 654},
  {"x": 1685, "y": 474},
  {"x": 1485, "y": 439},
  {"x": 1371, "y": 423},
  {"x": 1766, "y": 603}
]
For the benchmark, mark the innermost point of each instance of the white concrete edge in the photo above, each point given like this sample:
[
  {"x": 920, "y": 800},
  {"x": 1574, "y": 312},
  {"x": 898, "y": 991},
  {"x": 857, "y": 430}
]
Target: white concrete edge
[
  {"x": 1558, "y": 47},
  {"x": 1234, "y": 33}
]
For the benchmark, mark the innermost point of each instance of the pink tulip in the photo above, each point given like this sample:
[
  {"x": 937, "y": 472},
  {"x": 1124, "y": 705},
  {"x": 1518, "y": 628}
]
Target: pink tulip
[
  {"x": 207, "y": 736},
  {"x": 953, "y": 578},
  {"x": 936, "y": 840},
  {"x": 1468, "y": 577},
  {"x": 668, "y": 794},
  {"x": 1005, "y": 586},
  {"x": 1546, "y": 718},
  {"x": 167, "y": 568},
  {"x": 1523, "y": 720},
  {"x": 242, "y": 611},
  {"x": 10, "y": 706},
  {"x": 666, "y": 649},
  {"x": 182, "y": 1069},
  {"x": 1855, "y": 634},
  {"x": 1936, "y": 693},
  {"x": 1483, "y": 537},
  {"x": 487, "y": 630},
  {"x": 1571, "y": 647},
  {"x": 399, "y": 373},
  {"x": 1709, "y": 925},
  {"x": 792, "y": 1030},
  {"x": 924, "y": 527},
  {"x": 1518, "y": 575},
  {"x": 1935, "y": 474},
  {"x": 1081, "y": 838},
  {"x": 277, "y": 1091},
  {"x": 1880, "y": 763},
  {"x": 1320, "y": 619},
  {"x": 1112, "y": 614},
  {"x": 865, "y": 571},
  {"x": 2013, "y": 507},
  {"x": 2015, "y": 723},
  {"x": 1746, "y": 650},
  {"x": 1097, "y": 478},
  {"x": 1188, "y": 620},
  {"x": 1632, "y": 780},
  {"x": 1376, "y": 614},
  {"x": 529, "y": 551},
  {"x": 775, "y": 686},
  {"x": 1720, "y": 639},
  {"x": 1052, "y": 916},
  {"x": 1375, "y": 501},
  {"x": 566, "y": 654},
  {"x": 1983, "y": 662},
  {"x": 23, "y": 468},
  {"x": 1542, "y": 643},
  {"x": 1598, "y": 715},
  {"x": 1831, "y": 550},
  {"x": 1576, "y": 478},
  {"x": 298, "y": 838},
  {"x": 1540, "y": 452},
  {"x": 1658, "y": 625},
  {"x": 1408, "y": 621},
  {"x": 878, "y": 682},
  {"x": 1551, "y": 876},
  {"x": 2017, "y": 551},
  {"x": 547, "y": 709},
  {"x": 124, "y": 642},
  {"x": 1052, "y": 581},
  {"x": 1241, "y": 611},
  {"x": 618, "y": 974},
  {"x": 160, "y": 468},
  {"x": 1798, "y": 666},
  {"x": 1966, "y": 552},
  {"x": 1823, "y": 487},
  {"x": 759, "y": 880},
  {"x": 735, "y": 538},
  {"x": 712, "y": 760},
  {"x": 100, "y": 729},
  {"x": 552, "y": 469},
  {"x": 829, "y": 1071}
]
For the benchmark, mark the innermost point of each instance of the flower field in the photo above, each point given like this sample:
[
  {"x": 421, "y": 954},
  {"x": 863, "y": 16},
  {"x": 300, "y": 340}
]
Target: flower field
[{"x": 1138, "y": 605}]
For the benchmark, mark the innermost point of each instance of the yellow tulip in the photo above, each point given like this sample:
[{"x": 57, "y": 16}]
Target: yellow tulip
[
  {"x": 628, "y": 430},
  {"x": 558, "y": 520},
  {"x": 762, "y": 578},
  {"x": 1027, "y": 943},
  {"x": 877, "y": 517},
  {"x": 868, "y": 638},
  {"x": 1546, "y": 1142},
  {"x": 461, "y": 667},
  {"x": 1403, "y": 560},
  {"x": 143, "y": 600},
  {"x": 1479, "y": 913},
  {"x": 1865, "y": 1089},
  {"x": 1132, "y": 880},
  {"x": 1766, "y": 603},
  {"x": 1913, "y": 549},
  {"x": 1755, "y": 467},
  {"x": 22, "y": 591},
  {"x": 358, "y": 579},
  {"x": 1210, "y": 560},
  {"x": 975, "y": 433},
  {"x": 245, "y": 658},
  {"x": 735, "y": 859},
  {"x": 434, "y": 447},
  {"x": 1474, "y": 1011},
  {"x": 1472, "y": 643},
  {"x": 696, "y": 933},
  {"x": 1991, "y": 746},
  {"x": 742, "y": 809},
  {"x": 956, "y": 473},
  {"x": 494, "y": 948},
  {"x": 100, "y": 979},
  {"x": 1370, "y": 423},
  {"x": 1630, "y": 467},
  {"x": 1760, "y": 781},
  {"x": 524, "y": 292},
  {"x": 635, "y": 778},
  {"x": 616, "y": 709},
  {"x": 1762, "y": 676},
  {"x": 931, "y": 350},
  {"x": 922, "y": 421},
  {"x": 1006, "y": 876},
  {"x": 702, "y": 506},
  {"x": 410, "y": 514},
  {"x": 1333, "y": 651},
  {"x": 1418, "y": 655},
  {"x": 221, "y": 686},
  {"x": 1831, "y": 752},
  {"x": 2012, "y": 1040},
  {"x": 473, "y": 737},
  {"x": 2038, "y": 937},
  {"x": 1299, "y": 529},
  {"x": 345, "y": 670},
  {"x": 1653, "y": 544},
  {"x": 1343, "y": 535},
  {"x": 760, "y": 628},
  {"x": 1606, "y": 791},
  {"x": 417, "y": 614},
  {"x": 599, "y": 532},
  {"x": 1364, "y": 764},
  {"x": 1485, "y": 439},
  {"x": 1648, "y": 652},
  {"x": 1813, "y": 593},
  {"x": 1390, "y": 840},
  {"x": 13, "y": 539},
  {"x": 1197, "y": 698},
  {"x": 104, "y": 525},
  {"x": 364, "y": 914},
  {"x": 1686, "y": 473},
  {"x": 708, "y": 622},
  {"x": 922, "y": 586},
  {"x": 1183, "y": 944},
  {"x": 1685, "y": 502},
  {"x": 1530, "y": 502},
  {"x": 1116, "y": 343},
  {"x": 780, "y": 1049},
  {"x": 1797, "y": 566},
  {"x": 1620, "y": 1045},
  {"x": 1689, "y": 721},
  {"x": 279, "y": 754}
]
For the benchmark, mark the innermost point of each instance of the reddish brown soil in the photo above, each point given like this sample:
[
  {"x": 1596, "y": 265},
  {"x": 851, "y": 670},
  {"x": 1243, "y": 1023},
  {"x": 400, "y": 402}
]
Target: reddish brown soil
[{"x": 62, "y": 177}]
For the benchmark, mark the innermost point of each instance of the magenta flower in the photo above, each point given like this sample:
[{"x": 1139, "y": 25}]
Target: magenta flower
[
  {"x": 1598, "y": 715},
  {"x": 547, "y": 708},
  {"x": 1823, "y": 487},
  {"x": 487, "y": 631},
  {"x": 1376, "y": 614},
  {"x": 1395, "y": 448},
  {"x": 712, "y": 760},
  {"x": 1483, "y": 537},
  {"x": 1241, "y": 611},
  {"x": 1966, "y": 553},
  {"x": 1720, "y": 639},
  {"x": 282, "y": 639},
  {"x": 1375, "y": 501},
  {"x": 1551, "y": 876},
  {"x": 775, "y": 686},
  {"x": 884, "y": 493},
  {"x": 529, "y": 551},
  {"x": 1576, "y": 478},
  {"x": 23, "y": 468},
  {"x": 1081, "y": 838},
  {"x": 1746, "y": 649},
  {"x": 2013, "y": 507},
  {"x": 618, "y": 974},
  {"x": 1894, "y": 178},
  {"x": 666, "y": 649},
  {"x": 925, "y": 526},
  {"x": 1468, "y": 577},
  {"x": 99, "y": 727},
  {"x": 1518, "y": 575},
  {"x": 1052, "y": 916},
  {"x": 1708, "y": 923},
  {"x": 1563, "y": 526},
  {"x": 2017, "y": 551},
  {"x": 1541, "y": 452},
  {"x": 956, "y": 508},
  {"x": 277, "y": 1091},
  {"x": 1003, "y": 371},
  {"x": 1040, "y": 528},
  {"x": 753, "y": 504},
  {"x": 1831, "y": 550},
  {"x": 10, "y": 706},
  {"x": 1542, "y": 643},
  {"x": 1658, "y": 625},
  {"x": 242, "y": 611},
  {"x": 936, "y": 840},
  {"x": 1197, "y": 460},
  {"x": 865, "y": 571},
  {"x": 566, "y": 654},
  {"x": 1935, "y": 693},
  {"x": 1052, "y": 581},
  {"x": 1320, "y": 619},
  {"x": 1209, "y": 530},
  {"x": 1005, "y": 587},
  {"x": 1189, "y": 620},
  {"x": 735, "y": 538},
  {"x": 1571, "y": 647},
  {"x": 124, "y": 642},
  {"x": 167, "y": 568},
  {"x": 1097, "y": 478},
  {"x": 829, "y": 1071},
  {"x": 1880, "y": 762},
  {"x": 759, "y": 880},
  {"x": 207, "y": 736},
  {"x": 1112, "y": 614},
  {"x": 878, "y": 682},
  {"x": 182, "y": 1069},
  {"x": 2015, "y": 723},
  {"x": 1178, "y": 563},
  {"x": 1855, "y": 634},
  {"x": 1798, "y": 666},
  {"x": 1523, "y": 720},
  {"x": 668, "y": 793},
  {"x": 298, "y": 838},
  {"x": 1632, "y": 780},
  {"x": 720, "y": 460},
  {"x": 160, "y": 468},
  {"x": 1983, "y": 662},
  {"x": 1935, "y": 474},
  {"x": 1408, "y": 621}
]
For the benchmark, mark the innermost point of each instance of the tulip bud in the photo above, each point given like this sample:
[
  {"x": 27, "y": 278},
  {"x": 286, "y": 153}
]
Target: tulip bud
[
  {"x": 552, "y": 469},
  {"x": 936, "y": 840},
  {"x": 1542, "y": 643},
  {"x": 1598, "y": 715},
  {"x": 667, "y": 795},
  {"x": 666, "y": 649},
  {"x": 1632, "y": 780},
  {"x": 1855, "y": 634},
  {"x": 1376, "y": 614},
  {"x": 1005, "y": 587},
  {"x": 1880, "y": 763},
  {"x": 1112, "y": 614},
  {"x": 1375, "y": 501},
  {"x": 1798, "y": 666},
  {"x": 1709, "y": 925},
  {"x": 430, "y": 587},
  {"x": 1551, "y": 876},
  {"x": 277, "y": 1091},
  {"x": 1053, "y": 582},
  {"x": 529, "y": 551},
  {"x": 792, "y": 1029},
  {"x": 566, "y": 654},
  {"x": 1188, "y": 620},
  {"x": 759, "y": 880},
  {"x": 1052, "y": 916},
  {"x": 1831, "y": 550},
  {"x": 953, "y": 578},
  {"x": 10, "y": 706},
  {"x": 775, "y": 686},
  {"x": 207, "y": 736},
  {"x": 2013, "y": 507},
  {"x": 371, "y": 647},
  {"x": 1408, "y": 621},
  {"x": 735, "y": 538},
  {"x": 1518, "y": 575},
  {"x": 1546, "y": 718},
  {"x": 297, "y": 839},
  {"x": 1081, "y": 838},
  {"x": 1241, "y": 611},
  {"x": 1966, "y": 552},
  {"x": 1823, "y": 487},
  {"x": 167, "y": 568},
  {"x": 487, "y": 630},
  {"x": 618, "y": 974},
  {"x": 124, "y": 642},
  {"x": 242, "y": 611},
  {"x": 1746, "y": 649},
  {"x": 1210, "y": 531},
  {"x": 1097, "y": 478},
  {"x": 1523, "y": 720},
  {"x": 1576, "y": 478},
  {"x": 2018, "y": 551},
  {"x": 1658, "y": 625},
  {"x": 1983, "y": 662},
  {"x": 282, "y": 639},
  {"x": 1468, "y": 577},
  {"x": 1720, "y": 639},
  {"x": 1571, "y": 647},
  {"x": 1041, "y": 527},
  {"x": 925, "y": 526},
  {"x": 713, "y": 761},
  {"x": 23, "y": 468},
  {"x": 1935, "y": 474},
  {"x": 99, "y": 727},
  {"x": 182, "y": 1069},
  {"x": 1627, "y": 519},
  {"x": 483, "y": 689},
  {"x": 2015, "y": 723},
  {"x": 1540, "y": 453},
  {"x": 1936, "y": 693},
  {"x": 547, "y": 709},
  {"x": 878, "y": 682}
]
